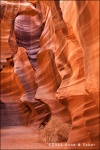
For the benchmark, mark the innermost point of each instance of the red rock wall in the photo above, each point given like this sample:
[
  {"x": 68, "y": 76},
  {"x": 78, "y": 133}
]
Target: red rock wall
[
  {"x": 67, "y": 78},
  {"x": 80, "y": 82},
  {"x": 85, "y": 27}
]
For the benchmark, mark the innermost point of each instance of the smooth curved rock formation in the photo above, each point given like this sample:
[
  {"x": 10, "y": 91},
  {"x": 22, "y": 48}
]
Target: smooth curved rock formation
[
  {"x": 67, "y": 77},
  {"x": 25, "y": 73},
  {"x": 85, "y": 26},
  {"x": 11, "y": 87},
  {"x": 46, "y": 87},
  {"x": 76, "y": 58}
]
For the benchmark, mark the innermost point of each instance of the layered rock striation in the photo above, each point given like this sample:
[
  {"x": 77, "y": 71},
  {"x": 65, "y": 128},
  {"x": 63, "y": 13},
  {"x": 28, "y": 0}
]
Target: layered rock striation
[
  {"x": 78, "y": 63},
  {"x": 66, "y": 80}
]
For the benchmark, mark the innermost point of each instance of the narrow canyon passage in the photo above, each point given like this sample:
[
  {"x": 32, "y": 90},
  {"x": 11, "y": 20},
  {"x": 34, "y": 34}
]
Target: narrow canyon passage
[{"x": 49, "y": 70}]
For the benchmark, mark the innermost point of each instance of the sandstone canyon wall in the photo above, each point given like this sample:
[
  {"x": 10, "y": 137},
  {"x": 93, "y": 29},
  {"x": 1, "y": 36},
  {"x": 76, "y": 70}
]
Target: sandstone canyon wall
[
  {"x": 80, "y": 84},
  {"x": 67, "y": 77}
]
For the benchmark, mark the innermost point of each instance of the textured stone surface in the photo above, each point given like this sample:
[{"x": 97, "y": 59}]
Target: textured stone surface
[
  {"x": 84, "y": 25},
  {"x": 80, "y": 85},
  {"x": 67, "y": 76}
]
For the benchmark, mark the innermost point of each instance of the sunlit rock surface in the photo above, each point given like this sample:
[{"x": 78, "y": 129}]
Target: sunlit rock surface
[
  {"x": 67, "y": 77},
  {"x": 84, "y": 25},
  {"x": 79, "y": 65}
]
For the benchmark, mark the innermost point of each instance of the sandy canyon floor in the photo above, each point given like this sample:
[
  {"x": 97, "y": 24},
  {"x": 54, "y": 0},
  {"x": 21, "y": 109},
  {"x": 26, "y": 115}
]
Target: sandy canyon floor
[{"x": 22, "y": 137}]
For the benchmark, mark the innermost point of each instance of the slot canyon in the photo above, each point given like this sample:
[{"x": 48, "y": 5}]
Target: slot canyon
[{"x": 49, "y": 70}]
